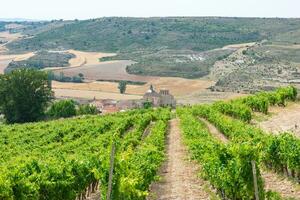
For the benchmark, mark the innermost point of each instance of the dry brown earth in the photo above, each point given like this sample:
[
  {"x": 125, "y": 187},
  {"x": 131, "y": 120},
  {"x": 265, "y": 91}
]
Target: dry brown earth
[
  {"x": 283, "y": 119},
  {"x": 85, "y": 94},
  {"x": 179, "y": 175},
  {"x": 177, "y": 86},
  {"x": 111, "y": 70}
]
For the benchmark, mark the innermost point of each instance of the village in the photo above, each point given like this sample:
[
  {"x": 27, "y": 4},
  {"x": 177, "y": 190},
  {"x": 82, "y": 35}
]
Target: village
[{"x": 151, "y": 98}]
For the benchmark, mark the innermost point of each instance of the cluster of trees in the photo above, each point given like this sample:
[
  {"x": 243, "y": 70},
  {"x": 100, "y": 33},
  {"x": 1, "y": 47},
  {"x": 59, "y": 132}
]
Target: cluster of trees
[
  {"x": 68, "y": 108},
  {"x": 42, "y": 59},
  {"x": 25, "y": 96},
  {"x": 62, "y": 78}
]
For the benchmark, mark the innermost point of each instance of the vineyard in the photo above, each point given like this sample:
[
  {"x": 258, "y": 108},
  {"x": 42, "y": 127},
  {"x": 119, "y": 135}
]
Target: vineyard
[
  {"x": 61, "y": 159},
  {"x": 228, "y": 166},
  {"x": 118, "y": 156}
]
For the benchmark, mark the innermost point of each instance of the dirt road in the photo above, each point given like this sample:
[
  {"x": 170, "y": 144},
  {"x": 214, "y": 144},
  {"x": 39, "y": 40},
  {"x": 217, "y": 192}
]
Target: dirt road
[{"x": 179, "y": 175}]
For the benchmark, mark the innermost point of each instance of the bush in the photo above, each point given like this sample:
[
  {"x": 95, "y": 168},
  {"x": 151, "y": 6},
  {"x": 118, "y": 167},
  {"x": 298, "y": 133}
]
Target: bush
[
  {"x": 87, "y": 110},
  {"x": 63, "y": 108}
]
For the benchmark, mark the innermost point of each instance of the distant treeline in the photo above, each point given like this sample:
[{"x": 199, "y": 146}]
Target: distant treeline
[{"x": 62, "y": 78}]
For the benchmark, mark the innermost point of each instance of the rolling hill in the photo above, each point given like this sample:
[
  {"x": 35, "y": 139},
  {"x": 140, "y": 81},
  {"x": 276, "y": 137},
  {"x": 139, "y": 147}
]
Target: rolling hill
[{"x": 176, "y": 46}]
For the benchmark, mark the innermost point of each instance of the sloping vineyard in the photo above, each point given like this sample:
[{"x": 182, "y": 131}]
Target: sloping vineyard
[
  {"x": 228, "y": 166},
  {"x": 118, "y": 156},
  {"x": 60, "y": 159}
]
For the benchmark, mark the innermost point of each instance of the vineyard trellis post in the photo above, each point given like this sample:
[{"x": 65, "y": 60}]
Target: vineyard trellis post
[
  {"x": 255, "y": 179},
  {"x": 111, "y": 171}
]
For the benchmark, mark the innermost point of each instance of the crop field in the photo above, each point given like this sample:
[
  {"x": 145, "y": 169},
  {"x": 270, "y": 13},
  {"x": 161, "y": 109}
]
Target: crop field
[
  {"x": 112, "y": 70},
  {"x": 177, "y": 86},
  {"x": 90, "y": 94}
]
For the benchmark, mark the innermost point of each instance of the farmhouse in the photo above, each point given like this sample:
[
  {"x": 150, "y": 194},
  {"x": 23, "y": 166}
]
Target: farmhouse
[
  {"x": 163, "y": 98},
  {"x": 105, "y": 105}
]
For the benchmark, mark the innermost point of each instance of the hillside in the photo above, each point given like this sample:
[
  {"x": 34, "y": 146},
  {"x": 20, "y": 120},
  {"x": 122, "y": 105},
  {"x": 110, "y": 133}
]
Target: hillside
[
  {"x": 262, "y": 66},
  {"x": 160, "y": 46},
  {"x": 202, "y": 152}
]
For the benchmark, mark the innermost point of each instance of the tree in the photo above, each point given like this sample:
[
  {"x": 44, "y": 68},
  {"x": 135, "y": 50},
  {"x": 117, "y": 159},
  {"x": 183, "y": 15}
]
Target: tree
[
  {"x": 62, "y": 109},
  {"x": 81, "y": 75},
  {"x": 122, "y": 86},
  {"x": 24, "y": 95}
]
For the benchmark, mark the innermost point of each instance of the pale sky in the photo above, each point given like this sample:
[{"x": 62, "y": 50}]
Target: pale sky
[{"x": 85, "y": 9}]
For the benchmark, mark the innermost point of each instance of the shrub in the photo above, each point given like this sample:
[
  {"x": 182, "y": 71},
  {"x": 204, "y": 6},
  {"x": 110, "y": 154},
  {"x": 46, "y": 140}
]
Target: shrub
[
  {"x": 63, "y": 108},
  {"x": 87, "y": 110}
]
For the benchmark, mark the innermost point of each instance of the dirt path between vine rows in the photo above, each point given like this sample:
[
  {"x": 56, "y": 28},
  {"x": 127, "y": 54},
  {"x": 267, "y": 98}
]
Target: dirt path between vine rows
[
  {"x": 214, "y": 131},
  {"x": 273, "y": 181},
  {"x": 178, "y": 175}
]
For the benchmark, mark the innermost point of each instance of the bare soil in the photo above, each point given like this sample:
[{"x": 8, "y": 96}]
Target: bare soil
[
  {"x": 283, "y": 119},
  {"x": 214, "y": 131},
  {"x": 111, "y": 70},
  {"x": 206, "y": 96},
  {"x": 85, "y": 94},
  {"x": 177, "y": 86},
  {"x": 280, "y": 184},
  {"x": 179, "y": 175}
]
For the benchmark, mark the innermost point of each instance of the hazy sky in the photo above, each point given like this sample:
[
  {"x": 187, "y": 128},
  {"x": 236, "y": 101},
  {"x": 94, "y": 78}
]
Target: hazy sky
[{"x": 84, "y": 9}]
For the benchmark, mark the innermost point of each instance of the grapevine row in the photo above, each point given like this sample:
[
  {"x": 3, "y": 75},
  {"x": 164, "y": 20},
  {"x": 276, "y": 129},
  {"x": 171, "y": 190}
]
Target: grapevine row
[
  {"x": 60, "y": 159},
  {"x": 226, "y": 166}
]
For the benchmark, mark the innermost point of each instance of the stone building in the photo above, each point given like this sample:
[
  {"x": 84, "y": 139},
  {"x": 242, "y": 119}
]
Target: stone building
[{"x": 163, "y": 98}]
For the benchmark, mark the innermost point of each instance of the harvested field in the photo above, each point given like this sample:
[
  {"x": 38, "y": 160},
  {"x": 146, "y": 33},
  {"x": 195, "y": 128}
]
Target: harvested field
[
  {"x": 112, "y": 70},
  {"x": 177, "y": 86},
  {"x": 9, "y": 36},
  {"x": 284, "y": 119},
  {"x": 82, "y": 58},
  {"x": 206, "y": 96},
  {"x": 85, "y": 94},
  {"x": 89, "y": 58}
]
